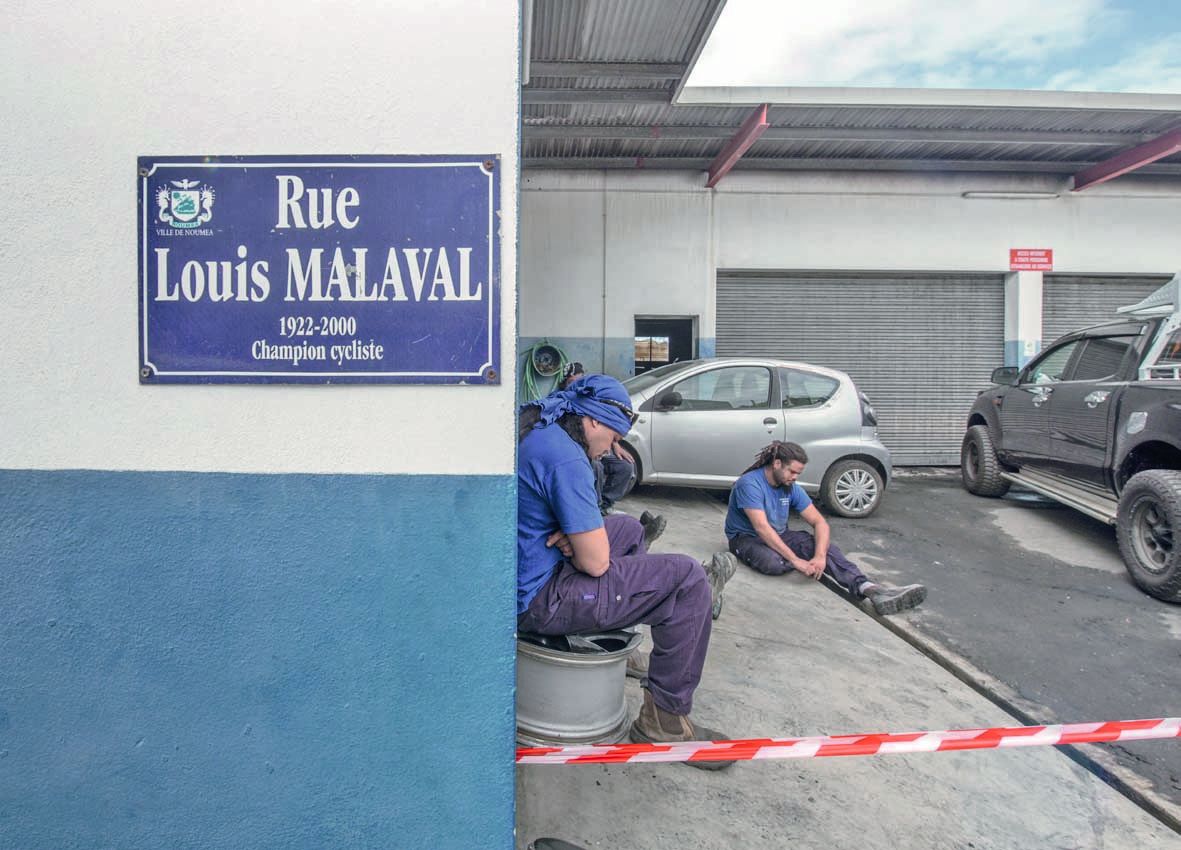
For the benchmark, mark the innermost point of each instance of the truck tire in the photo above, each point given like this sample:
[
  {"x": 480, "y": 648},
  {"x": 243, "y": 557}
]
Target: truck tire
[
  {"x": 852, "y": 488},
  {"x": 979, "y": 468},
  {"x": 1147, "y": 525}
]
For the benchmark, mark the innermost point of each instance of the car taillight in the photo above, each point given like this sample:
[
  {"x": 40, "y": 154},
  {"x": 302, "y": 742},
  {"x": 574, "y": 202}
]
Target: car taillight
[{"x": 869, "y": 417}]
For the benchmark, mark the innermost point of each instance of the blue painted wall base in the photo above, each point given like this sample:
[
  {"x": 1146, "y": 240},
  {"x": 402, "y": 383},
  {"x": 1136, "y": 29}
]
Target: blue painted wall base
[{"x": 256, "y": 661}]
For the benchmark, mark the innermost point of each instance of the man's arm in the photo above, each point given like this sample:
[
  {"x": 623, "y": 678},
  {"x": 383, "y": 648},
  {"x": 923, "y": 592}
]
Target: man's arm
[
  {"x": 767, "y": 534},
  {"x": 821, "y": 533},
  {"x": 588, "y": 551}
]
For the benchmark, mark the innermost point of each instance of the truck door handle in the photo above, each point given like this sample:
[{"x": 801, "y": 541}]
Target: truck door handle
[
  {"x": 770, "y": 420},
  {"x": 1040, "y": 395},
  {"x": 1096, "y": 398}
]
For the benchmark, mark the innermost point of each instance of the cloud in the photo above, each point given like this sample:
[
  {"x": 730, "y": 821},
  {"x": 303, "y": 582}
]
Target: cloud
[
  {"x": 902, "y": 43},
  {"x": 1152, "y": 68}
]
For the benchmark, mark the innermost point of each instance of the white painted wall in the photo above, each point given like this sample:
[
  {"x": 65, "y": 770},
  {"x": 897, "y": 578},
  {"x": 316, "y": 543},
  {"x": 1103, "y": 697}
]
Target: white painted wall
[
  {"x": 656, "y": 251},
  {"x": 666, "y": 236},
  {"x": 89, "y": 87}
]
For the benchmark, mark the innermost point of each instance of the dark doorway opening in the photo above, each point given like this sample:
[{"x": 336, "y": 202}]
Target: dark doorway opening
[{"x": 661, "y": 341}]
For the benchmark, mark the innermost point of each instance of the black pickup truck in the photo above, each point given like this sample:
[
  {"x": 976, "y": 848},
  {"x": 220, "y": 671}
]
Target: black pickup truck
[{"x": 1094, "y": 422}]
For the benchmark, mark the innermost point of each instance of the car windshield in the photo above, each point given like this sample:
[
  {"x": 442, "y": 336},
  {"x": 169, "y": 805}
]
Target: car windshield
[{"x": 641, "y": 382}]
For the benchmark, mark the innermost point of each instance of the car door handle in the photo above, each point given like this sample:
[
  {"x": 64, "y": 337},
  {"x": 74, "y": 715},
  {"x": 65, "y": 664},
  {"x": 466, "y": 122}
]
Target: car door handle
[
  {"x": 770, "y": 420},
  {"x": 1096, "y": 398}
]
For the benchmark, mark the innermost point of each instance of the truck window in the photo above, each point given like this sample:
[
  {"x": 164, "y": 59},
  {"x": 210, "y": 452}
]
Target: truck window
[
  {"x": 1101, "y": 357},
  {"x": 1051, "y": 367}
]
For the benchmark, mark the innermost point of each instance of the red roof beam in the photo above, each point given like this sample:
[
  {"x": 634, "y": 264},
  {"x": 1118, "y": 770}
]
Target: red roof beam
[
  {"x": 1129, "y": 160},
  {"x": 747, "y": 135}
]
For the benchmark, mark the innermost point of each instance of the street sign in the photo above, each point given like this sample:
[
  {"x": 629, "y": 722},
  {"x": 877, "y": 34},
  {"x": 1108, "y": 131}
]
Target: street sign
[{"x": 319, "y": 269}]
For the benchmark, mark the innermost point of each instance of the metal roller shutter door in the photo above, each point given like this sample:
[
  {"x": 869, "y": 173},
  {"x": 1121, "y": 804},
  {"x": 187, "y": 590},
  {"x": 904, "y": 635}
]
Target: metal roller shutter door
[
  {"x": 921, "y": 347},
  {"x": 1070, "y": 302}
]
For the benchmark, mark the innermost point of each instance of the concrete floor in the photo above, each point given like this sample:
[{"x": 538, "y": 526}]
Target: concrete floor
[
  {"x": 1034, "y": 598},
  {"x": 789, "y": 657}
]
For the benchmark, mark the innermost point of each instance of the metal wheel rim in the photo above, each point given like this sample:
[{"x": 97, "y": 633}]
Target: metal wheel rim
[
  {"x": 1152, "y": 536},
  {"x": 856, "y": 490},
  {"x": 973, "y": 465}
]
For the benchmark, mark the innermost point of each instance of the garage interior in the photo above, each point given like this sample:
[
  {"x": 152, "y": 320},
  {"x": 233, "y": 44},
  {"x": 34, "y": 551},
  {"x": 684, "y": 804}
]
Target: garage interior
[{"x": 860, "y": 230}]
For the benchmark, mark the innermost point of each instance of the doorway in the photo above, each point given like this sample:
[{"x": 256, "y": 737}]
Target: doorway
[{"x": 660, "y": 341}]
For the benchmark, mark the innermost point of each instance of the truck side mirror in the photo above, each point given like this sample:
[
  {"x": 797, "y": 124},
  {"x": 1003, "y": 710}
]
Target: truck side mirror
[{"x": 1005, "y": 375}]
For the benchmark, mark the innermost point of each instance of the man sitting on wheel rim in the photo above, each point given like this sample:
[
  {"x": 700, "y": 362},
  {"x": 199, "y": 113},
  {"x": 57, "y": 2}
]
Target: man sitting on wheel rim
[{"x": 578, "y": 571}]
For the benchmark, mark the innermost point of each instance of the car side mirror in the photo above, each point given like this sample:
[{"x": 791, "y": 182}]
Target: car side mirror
[
  {"x": 1005, "y": 375},
  {"x": 670, "y": 399}
]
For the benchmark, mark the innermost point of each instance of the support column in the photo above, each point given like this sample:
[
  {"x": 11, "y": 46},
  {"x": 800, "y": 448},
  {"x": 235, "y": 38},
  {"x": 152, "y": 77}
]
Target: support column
[{"x": 1023, "y": 317}]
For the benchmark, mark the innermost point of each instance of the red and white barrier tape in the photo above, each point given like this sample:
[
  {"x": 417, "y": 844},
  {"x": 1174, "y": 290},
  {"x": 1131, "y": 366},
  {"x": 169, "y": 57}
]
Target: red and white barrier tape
[{"x": 857, "y": 745}]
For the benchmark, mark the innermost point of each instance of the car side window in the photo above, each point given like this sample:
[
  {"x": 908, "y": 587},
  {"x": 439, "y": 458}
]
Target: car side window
[
  {"x": 1101, "y": 357},
  {"x": 805, "y": 389},
  {"x": 1051, "y": 367},
  {"x": 729, "y": 388}
]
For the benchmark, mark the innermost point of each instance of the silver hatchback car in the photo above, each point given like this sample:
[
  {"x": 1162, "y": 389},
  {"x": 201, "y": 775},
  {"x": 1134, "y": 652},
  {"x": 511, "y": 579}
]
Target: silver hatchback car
[{"x": 701, "y": 423}]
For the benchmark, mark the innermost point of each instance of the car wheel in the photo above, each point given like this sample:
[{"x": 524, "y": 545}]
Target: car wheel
[
  {"x": 852, "y": 488},
  {"x": 1147, "y": 524},
  {"x": 979, "y": 467}
]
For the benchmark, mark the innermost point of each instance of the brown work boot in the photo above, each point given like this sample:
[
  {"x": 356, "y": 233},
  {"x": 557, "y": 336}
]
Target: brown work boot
[{"x": 654, "y": 725}]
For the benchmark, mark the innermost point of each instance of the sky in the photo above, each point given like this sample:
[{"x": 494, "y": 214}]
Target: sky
[{"x": 1056, "y": 45}]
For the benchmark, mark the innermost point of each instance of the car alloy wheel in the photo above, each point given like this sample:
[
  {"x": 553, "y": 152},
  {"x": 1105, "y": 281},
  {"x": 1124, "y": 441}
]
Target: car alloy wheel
[
  {"x": 855, "y": 490},
  {"x": 852, "y": 488}
]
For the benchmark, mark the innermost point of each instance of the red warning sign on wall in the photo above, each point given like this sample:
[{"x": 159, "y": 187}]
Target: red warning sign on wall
[{"x": 1031, "y": 259}]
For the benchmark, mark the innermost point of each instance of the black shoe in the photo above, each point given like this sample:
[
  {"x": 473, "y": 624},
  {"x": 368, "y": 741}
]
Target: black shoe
[
  {"x": 654, "y": 525},
  {"x": 891, "y": 600}
]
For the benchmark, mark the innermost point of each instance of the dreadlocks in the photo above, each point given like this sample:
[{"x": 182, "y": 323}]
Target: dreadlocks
[
  {"x": 571, "y": 423},
  {"x": 783, "y": 452}
]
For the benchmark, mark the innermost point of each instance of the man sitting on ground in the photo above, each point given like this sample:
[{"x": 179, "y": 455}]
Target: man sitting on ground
[
  {"x": 578, "y": 571},
  {"x": 756, "y": 525}
]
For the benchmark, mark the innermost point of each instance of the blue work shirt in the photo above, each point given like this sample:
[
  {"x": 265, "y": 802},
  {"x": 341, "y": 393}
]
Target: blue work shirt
[
  {"x": 752, "y": 490},
  {"x": 555, "y": 491}
]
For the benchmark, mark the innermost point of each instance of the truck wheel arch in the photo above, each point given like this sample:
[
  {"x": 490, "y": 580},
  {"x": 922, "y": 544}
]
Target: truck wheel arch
[{"x": 1152, "y": 454}]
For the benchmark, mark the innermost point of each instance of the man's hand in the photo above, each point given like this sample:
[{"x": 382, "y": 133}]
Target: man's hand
[
  {"x": 622, "y": 453},
  {"x": 815, "y": 567},
  {"x": 559, "y": 539}
]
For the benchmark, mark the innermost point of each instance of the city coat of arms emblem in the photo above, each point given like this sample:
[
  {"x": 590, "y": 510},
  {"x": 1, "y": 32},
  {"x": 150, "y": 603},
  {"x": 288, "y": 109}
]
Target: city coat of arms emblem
[{"x": 185, "y": 203}]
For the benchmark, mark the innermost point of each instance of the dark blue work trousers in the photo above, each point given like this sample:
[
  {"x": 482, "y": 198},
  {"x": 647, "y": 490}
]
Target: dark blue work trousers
[
  {"x": 761, "y": 557},
  {"x": 670, "y": 593},
  {"x": 614, "y": 479}
]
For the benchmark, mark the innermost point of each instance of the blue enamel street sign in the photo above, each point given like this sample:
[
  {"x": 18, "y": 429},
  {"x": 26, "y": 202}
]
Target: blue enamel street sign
[{"x": 319, "y": 269}]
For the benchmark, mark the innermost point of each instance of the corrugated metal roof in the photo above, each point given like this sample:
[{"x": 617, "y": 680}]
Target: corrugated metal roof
[
  {"x": 617, "y": 30},
  {"x": 672, "y": 31}
]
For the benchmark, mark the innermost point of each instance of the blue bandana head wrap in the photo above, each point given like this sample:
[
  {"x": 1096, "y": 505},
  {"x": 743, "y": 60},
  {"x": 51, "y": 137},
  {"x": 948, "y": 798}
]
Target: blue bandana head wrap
[{"x": 596, "y": 396}]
